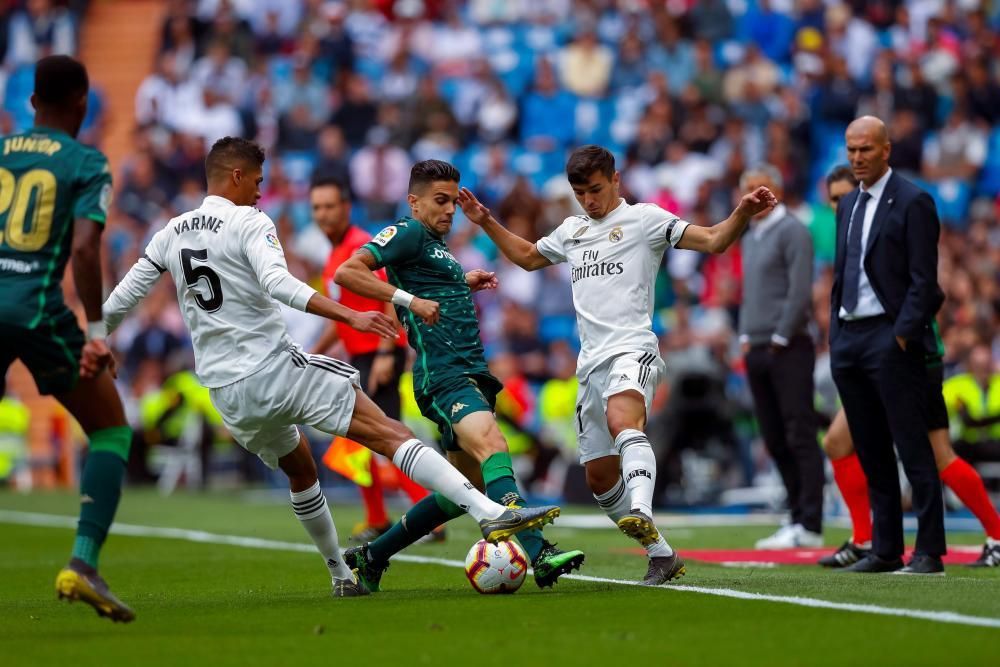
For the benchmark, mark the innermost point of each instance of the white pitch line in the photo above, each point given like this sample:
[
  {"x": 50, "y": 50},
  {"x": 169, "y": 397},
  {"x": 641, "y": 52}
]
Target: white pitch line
[{"x": 58, "y": 521}]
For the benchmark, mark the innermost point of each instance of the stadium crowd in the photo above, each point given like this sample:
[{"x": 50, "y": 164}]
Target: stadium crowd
[{"x": 688, "y": 95}]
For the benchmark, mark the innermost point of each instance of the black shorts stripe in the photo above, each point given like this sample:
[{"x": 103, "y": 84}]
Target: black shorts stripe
[
  {"x": 330, "y": 360},
  {"x": 297, "y": 357},
  {"x": 155, "y": 265},
  {"x": 329, "y": 368}
]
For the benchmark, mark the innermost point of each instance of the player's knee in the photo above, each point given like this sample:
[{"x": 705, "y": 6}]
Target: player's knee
[
  {"x": 392, "y": 435},
  {"x": 619, "y": 421},
  {"x": 601, "y": 480}
]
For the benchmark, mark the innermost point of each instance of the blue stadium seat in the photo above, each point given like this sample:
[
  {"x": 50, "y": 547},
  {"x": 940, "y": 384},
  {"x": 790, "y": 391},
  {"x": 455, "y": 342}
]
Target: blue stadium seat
[{"x": 17, "y": 98}]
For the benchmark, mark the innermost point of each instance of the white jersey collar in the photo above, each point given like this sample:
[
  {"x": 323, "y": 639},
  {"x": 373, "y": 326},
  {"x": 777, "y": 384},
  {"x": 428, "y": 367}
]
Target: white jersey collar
[
  {"x": 215, "y": 200},
  {"x": 621, "y": 204}
]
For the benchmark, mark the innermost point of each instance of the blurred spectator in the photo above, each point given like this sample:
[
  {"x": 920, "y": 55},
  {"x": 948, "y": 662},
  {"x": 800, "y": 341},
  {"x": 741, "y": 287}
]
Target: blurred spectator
[
  {"x": 973, "y": 400},
  {"x": 380, "y": 173},
  {"x": 356, "y": 114},
  {"x": 711, "y": 20},
  {"x": 956, "y": 152},
  {"x": 139, "y": 196},
  {"x": 39, "y": 30},
  {"x": 585, "y": 65},
  {"x": 907, "y": 143},
  {"x": 219, "y": 70},
  {"x": 673, "y": 54},
  {"x": 773, "y": 31},
  {"x": 303, "y": 89},
  {"x": 332, "y": 159},
  {"x": 546, "y": 112}
]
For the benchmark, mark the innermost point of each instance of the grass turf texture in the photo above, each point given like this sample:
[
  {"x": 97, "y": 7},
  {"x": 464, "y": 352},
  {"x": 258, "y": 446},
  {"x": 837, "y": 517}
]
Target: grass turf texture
[{"x": 225, "y": 605}]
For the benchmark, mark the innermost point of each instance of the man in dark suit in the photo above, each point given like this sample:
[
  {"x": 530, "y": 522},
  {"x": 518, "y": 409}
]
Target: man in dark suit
[{"x": 885, "y": 295}]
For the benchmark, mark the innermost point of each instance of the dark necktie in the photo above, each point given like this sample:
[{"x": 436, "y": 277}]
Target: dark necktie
[{"x": 852, "y": 263}]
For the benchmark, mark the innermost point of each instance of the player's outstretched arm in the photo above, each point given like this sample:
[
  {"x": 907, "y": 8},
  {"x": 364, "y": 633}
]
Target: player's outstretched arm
[
  {"x": 367, "y": 322},
  {"x": 717, "y": 238},
  {"x": 356, "y": 275},
  {"x": 518, "y": 250}
]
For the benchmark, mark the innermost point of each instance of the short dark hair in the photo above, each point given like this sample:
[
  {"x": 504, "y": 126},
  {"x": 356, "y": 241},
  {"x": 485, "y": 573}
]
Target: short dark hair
[
  {"x": 60, "y": 81},
  {"x": 231, "y": 152},
  {"x": 326, "y": 181},
  {"x": 426, "y": 172},
  {"x": 841, "y": 172},
  {"x": 586, "y": 160}
]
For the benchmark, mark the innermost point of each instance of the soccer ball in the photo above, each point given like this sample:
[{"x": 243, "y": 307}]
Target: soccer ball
[{"x": 496, "y": 568}]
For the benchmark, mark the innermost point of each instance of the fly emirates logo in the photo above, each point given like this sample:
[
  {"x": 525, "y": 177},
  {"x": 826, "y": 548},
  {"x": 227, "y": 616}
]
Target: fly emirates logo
[{"x": 593, "y": 267}]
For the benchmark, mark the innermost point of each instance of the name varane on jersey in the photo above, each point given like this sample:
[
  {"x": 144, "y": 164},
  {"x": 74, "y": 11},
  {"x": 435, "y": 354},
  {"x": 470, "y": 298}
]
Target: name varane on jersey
[{"x": 613, "y": 263}]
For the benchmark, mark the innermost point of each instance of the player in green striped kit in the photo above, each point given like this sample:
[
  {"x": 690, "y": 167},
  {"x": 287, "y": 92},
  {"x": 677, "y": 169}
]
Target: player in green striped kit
[
  {"x": 451, "y": 381},
  {"x": 54, "y": 198}
]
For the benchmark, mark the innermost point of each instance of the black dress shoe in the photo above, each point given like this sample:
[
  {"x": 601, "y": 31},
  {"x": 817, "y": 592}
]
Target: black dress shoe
[
  {"x": 872, "y": 564},
  {"x": 924, "y": 565}
]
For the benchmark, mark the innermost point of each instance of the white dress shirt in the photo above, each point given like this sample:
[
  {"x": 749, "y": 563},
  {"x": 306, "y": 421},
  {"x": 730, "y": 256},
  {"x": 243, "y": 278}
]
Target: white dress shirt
[{"x": 868, "y": 303}]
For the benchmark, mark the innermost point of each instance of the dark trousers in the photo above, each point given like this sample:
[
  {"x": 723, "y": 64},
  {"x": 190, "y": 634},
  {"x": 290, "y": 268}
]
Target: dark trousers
[
  {"x": 386, "y": 396},
  {"x": 883, "y": 389},
  {"x": 781, "y": 382}
]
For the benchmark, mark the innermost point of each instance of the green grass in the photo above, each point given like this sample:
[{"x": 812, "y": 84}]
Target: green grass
[{"x": 223, "y": 605}]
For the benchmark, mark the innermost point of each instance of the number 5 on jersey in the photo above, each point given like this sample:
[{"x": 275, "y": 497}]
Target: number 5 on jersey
[{"x": 193, "y": 273}]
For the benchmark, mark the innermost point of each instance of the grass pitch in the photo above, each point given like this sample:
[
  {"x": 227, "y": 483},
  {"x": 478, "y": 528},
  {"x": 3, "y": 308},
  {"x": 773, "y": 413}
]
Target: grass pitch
[{"x": 200, "y": 602}]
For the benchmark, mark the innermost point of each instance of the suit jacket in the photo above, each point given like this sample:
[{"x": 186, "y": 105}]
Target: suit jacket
[{"x": 900, "y": 258}]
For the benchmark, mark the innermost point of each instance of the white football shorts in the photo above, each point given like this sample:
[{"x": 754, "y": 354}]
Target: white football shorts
[
  {"x": 261, "y": 410},
  {"x": 638, "y": 371}
]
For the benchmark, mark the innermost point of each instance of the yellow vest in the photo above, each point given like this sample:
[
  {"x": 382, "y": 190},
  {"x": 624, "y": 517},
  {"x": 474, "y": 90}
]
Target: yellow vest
[{"x": 963, "y": 390}]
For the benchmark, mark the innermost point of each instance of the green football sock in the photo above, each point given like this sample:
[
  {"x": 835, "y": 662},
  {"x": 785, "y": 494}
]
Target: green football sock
[
  {"x": 501, "y": 487},
  {"x": 100, "y": 490},
  {"x": 422, "y": 518}
]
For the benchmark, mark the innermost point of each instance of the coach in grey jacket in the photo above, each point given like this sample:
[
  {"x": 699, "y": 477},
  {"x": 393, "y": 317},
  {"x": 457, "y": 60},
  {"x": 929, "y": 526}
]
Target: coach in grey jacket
[{"x": 777, "y": 302}]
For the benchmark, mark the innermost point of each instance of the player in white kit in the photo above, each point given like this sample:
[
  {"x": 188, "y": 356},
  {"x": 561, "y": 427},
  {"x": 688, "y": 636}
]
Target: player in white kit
[
  {"x": 230, "y": 274},
  {"x": 614, "y": 253}
]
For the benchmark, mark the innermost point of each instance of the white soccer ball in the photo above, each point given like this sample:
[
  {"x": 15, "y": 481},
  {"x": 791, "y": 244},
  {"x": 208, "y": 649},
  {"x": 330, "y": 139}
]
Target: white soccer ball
[{"x": 496, "y": 568}]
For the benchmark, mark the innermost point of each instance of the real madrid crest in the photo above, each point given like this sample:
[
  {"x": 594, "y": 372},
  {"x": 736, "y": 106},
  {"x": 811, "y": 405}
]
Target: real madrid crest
[{"x": 616, "y": 235}]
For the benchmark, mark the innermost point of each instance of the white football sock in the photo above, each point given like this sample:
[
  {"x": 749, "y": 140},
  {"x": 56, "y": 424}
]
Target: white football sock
[
  {"x": 311, "y": 509},
  {"x": 615, "y": 502},
  {"x": 638, "y": 468},
  {"x": 432, "y": 471},
  {"x": 659, "y": 548}
]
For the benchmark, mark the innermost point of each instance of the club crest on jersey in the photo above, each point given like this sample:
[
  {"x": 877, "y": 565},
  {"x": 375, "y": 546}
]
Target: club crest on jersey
[
  {"x": 616, "y": 235},
  {"x": 385, "y": 236},
  {"x": 580, "y": 232},
  {"x": 272, "y": 242}
]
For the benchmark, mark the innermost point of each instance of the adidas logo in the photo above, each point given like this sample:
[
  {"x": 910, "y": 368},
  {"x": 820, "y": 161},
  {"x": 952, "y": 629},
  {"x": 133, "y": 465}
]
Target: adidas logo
[{"x": 624, "y": 378}]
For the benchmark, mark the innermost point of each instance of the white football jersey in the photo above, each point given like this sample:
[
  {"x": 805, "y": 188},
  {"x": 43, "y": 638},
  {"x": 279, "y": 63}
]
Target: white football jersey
[
  {"x": 228, "y": 267},
  {"x": 613, "y": 262}
]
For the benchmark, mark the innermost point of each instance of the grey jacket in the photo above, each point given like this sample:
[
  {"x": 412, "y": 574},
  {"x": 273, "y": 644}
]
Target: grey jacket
[{"x": 777, "y": 280}]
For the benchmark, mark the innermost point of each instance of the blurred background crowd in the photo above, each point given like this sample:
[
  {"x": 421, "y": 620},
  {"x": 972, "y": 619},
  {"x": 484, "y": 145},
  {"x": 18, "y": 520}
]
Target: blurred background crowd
[{"x": 687, "y": 95}]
